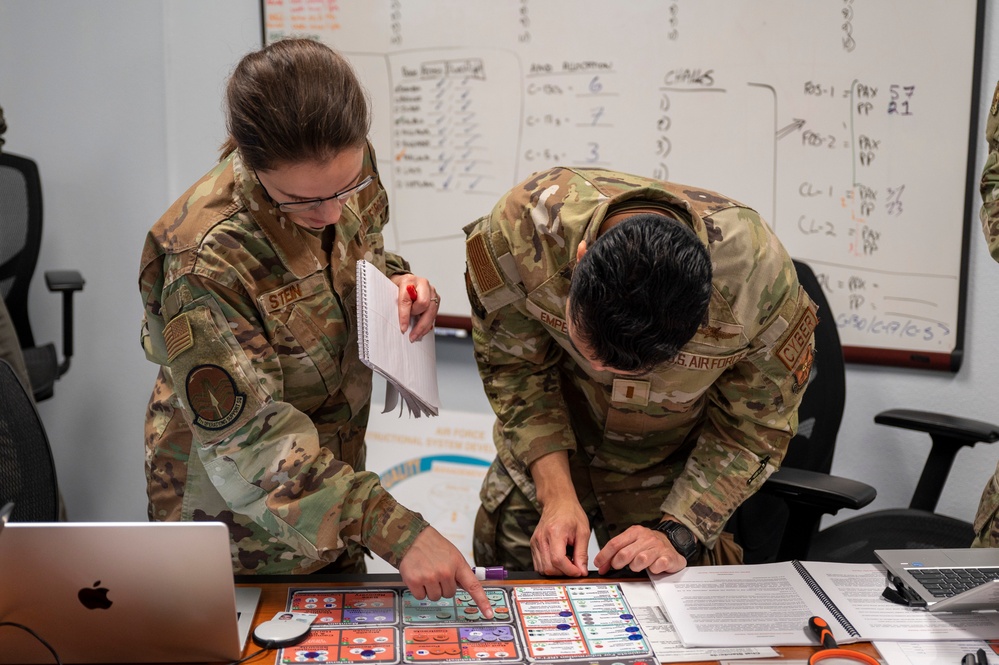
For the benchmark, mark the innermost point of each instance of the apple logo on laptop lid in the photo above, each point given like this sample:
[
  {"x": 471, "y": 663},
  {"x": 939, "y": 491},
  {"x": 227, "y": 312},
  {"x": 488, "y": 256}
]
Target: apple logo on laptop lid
[{"x": 95, "y": 597}]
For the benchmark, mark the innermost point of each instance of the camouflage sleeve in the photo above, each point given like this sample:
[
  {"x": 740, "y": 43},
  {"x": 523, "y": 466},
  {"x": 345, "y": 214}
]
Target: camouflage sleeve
[
  {"x": 750, "y": 418},
  {"x": 987, "y": 517},
  {"x": 395, "y": 265},
  {"x": 986, "y": 522},
  {"x": 990, "y": 179},
  {"x": 517, "y": 361},
  {"x": 262, "y": 454}
]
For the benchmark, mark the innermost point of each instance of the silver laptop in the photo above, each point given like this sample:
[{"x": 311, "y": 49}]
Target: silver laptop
[
  {"x": 943, "y": 580},
  {"x": 115, "y": 592}
]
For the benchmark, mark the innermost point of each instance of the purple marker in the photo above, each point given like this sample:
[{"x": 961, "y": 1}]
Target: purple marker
[{"x": 483, "y": 573}]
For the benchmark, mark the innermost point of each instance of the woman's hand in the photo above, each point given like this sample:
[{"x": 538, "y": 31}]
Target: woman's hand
[{"x": 419, "y": 300}]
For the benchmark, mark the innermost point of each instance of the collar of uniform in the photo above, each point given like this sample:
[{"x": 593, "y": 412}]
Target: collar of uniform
[
  {"x": 670, "y": 206},
  {"x": 285, "y": 236},
  {"x": 620, "y": 212},
  {"x": 606, "y": 213},
  {"x": 347, "y": 229}
]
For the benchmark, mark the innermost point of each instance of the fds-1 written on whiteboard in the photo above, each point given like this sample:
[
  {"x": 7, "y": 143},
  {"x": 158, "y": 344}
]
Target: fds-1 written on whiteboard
[{"x": 845, "y": 124}]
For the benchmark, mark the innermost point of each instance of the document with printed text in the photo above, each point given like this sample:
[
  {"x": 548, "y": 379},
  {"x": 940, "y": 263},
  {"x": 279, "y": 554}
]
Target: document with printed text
[{"x": 770, "y": 604}]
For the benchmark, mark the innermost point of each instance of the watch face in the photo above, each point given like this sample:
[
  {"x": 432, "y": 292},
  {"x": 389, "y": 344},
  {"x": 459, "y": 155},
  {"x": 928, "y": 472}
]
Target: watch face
[{"x": 681, "y": 538}]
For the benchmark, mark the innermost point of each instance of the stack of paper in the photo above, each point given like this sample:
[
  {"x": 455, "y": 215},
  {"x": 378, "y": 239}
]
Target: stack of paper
[
  {"x": 770, "y": 604},
  {"x": 409, "y": 368}
]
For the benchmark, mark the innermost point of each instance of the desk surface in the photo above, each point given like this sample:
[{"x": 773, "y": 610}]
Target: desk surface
[{"x": 274, "y": 597}]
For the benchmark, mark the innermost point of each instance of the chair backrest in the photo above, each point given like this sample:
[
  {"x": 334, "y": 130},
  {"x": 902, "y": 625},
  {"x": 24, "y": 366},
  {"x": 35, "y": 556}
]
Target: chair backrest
[
  {"x": 27, "y": 470},
  {"x": 20, "y": 236},
  {"x": 759, "y": 523}
]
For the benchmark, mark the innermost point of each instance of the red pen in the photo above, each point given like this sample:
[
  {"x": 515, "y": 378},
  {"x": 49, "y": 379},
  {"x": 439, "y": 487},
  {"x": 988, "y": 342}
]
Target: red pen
[{"x": 411, "y": 290}]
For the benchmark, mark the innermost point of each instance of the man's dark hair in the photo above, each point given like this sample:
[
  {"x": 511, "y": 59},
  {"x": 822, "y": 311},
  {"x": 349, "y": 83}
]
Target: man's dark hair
[{"x": 640, "y": 292}]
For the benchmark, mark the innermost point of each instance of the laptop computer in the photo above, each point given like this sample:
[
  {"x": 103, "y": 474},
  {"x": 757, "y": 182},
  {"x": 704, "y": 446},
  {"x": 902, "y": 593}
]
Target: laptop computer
[
  {"x": 114, "y": 592},
  {"x": 943, "y": 580}
]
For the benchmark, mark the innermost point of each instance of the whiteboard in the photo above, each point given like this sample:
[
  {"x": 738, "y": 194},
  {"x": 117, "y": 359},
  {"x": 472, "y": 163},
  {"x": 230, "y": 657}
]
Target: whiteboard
[{"x": 847, "y": 124}]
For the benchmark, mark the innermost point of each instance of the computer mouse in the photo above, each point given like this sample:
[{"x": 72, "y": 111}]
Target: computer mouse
[{"x": 278, "y": 633}]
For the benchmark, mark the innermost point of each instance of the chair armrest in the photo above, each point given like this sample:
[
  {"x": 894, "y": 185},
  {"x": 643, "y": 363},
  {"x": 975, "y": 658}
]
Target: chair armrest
[
  {"x": 64, "y": 280},
  {"x": 819, "y": 490},
  {"x": 67, "y": 282},
  {"x": 966, "y": 430}
]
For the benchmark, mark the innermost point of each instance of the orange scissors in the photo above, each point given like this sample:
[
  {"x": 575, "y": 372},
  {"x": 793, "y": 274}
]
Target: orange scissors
[{"x": 830, "y": 649}]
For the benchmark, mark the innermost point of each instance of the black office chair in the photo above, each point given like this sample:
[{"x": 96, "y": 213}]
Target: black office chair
[
  {"x": 854, "y": 540},
  {"x": 27, "y": 470},
  {"x": 779, "y": 522},
  {"x": 20, "y": 241}
]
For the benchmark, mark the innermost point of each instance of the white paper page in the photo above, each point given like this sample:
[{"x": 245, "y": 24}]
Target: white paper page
[
  {"x": 758, "y": 605},
  {"x": 662, "y": 636},
  {"x": 391, "y": 397},
  {"x": 410, "y": 366},
  {"x": 856, "y": 590},
  {"x": 932, "y": 653}
]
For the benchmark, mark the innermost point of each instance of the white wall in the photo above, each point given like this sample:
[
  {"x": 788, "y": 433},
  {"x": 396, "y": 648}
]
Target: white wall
[{"x": 120, "y": 103}]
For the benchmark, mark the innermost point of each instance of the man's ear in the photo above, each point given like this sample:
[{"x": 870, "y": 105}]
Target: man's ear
[{"x": 580, "y": 251}]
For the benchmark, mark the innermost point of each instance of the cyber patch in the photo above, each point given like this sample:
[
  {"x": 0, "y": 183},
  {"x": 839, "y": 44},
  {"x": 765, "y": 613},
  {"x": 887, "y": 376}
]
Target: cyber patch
[
  {"x": 212, "y": 394},
  {"x": 798, "y": 337}
]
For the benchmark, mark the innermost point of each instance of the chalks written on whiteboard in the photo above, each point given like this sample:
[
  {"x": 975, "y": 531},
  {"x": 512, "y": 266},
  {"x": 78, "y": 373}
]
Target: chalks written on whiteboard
[{"x": 825, "y": 131}]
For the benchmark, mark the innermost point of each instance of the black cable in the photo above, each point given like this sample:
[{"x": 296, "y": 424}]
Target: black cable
[
  {"x": 59, "y": 662},
  {"x": 252, "y": 655},
  {"x": 36, "y": 636}
]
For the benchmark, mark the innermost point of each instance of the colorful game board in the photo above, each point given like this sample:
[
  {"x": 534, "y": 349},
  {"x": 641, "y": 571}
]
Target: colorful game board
[{"x": 590, "y": 624}]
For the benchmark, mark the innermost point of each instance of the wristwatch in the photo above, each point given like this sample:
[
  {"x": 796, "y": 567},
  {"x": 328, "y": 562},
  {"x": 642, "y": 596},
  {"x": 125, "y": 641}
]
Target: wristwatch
[{"x": 680, "y": 537}]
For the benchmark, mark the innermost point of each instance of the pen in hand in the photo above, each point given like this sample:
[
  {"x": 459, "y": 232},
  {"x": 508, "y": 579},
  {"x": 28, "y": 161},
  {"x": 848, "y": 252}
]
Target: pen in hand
[{"x": 411, "y": 290}]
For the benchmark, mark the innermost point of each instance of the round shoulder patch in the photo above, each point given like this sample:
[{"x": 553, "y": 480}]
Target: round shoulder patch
[{"x": 212, "y": 394}]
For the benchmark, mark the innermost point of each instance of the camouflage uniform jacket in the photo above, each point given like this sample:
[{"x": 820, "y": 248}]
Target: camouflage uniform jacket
[
  {"x": 990, "y": 179},
  {"x": 987, "y": 517},
  {"x": 693, "y": 439},
  {"x": 259, "y": 411}
]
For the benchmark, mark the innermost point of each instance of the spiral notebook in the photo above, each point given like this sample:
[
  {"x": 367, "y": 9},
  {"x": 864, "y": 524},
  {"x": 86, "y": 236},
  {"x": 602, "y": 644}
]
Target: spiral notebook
[
  {"x": 409, "y": 368},
  {"x": 770, "y": 604}
]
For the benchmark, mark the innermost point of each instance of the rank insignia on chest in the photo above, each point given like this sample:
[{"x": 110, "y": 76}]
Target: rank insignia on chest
[{"x": 628, "y": 391}]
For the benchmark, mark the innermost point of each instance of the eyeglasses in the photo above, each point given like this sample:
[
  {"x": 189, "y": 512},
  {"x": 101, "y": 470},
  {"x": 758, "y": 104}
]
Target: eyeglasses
[{"x": 312, "y": 204}]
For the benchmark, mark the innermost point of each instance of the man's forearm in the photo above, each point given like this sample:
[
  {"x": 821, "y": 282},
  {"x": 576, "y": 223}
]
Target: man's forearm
[{"x": 552, "y": 478}]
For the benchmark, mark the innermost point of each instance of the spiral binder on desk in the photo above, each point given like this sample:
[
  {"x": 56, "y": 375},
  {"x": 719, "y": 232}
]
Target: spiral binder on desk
[{"x": 409, "y": 368}]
